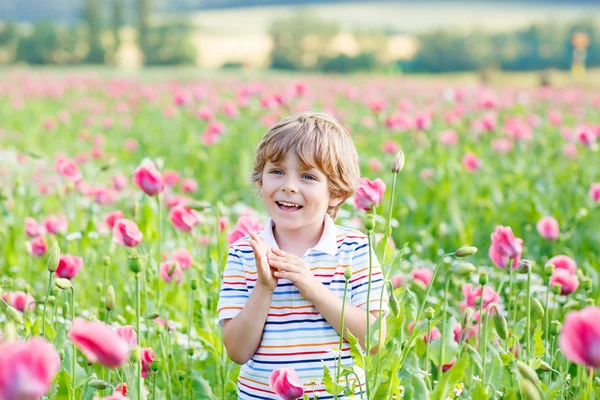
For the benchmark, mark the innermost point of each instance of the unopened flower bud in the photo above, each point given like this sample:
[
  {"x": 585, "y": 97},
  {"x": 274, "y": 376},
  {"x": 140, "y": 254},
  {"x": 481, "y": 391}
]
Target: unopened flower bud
[
  {"x": 190, "y": 352},
  {"x": 544, "y": 366},
  {"x": 555, "y": 327},
  {"x": 586, "y": 283},
  {"x": 483, "y": 279},
  {"x": 153, "y": 315},
  {"x": 98, "y": 384},
  {"x": 465, "y": 251},
  {"x": 154, "y": 366},
  {"x": 348, "y": 273},
  {"x": 500, "y": 324},
  {"x": 136, "y": 354},
  {"x": 463, "y": 269},
  {"x": 109, "y": 301},
  {"x": 528, "y": 390},
  {"x": 10, "y": 332},
  {"x": 549, "y": 269},
  {"x": 527, "y": 372},
  {"x": 537, "y": 307},
  {"x": 393, "y": 301},
  {"x": 14, "y": 315},
  {"x": 63, "y": 284},
  {"x": 194, "y": 284},
  {"x": 135, "y": 264},
  {"x": 398, "y": 162},
  {"x": 106, "y": 261},
  {"x": 53, "y": 258},
  {"x": 590, "y": 302},
  {"x": 370, "y": 222},
  {"x": 467, "y": 316},
  {"x": 524, "y": 267},
  {"x": 429, "y": 313},
  {"x": 556, "y": 288}
]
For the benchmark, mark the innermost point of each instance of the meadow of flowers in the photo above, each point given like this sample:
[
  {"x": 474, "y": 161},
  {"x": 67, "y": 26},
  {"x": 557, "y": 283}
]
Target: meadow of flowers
[{"x": 119, "y": 197}]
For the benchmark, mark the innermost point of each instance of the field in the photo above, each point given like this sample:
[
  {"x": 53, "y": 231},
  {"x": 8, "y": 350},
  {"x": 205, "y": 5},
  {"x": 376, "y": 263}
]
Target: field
[{"x": 510, "y": 168}]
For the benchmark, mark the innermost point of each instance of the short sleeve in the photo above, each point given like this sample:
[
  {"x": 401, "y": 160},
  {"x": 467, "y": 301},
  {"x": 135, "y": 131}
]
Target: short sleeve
[
  {"x": 360, "y": 279},
  {"x": 234, "y": 291}
]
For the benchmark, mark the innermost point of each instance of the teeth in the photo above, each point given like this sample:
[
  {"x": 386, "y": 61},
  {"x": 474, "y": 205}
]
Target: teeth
[{"x": 288, "y": 204}]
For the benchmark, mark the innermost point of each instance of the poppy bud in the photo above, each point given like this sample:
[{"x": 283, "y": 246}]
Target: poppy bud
[
  {"x": 153, "y": 315},
  {"x": 13, "y": 314},
  {"x": 483, "y": 279},
  {"x": 465, "y": 251},
  {"x": 348, "y": 273},
  {"x": 429, "y": 313},
  {"x": 528, "y": 390},
  {"x": 135, "y": 264},
  {"x": 63, "y": 284},
  {"x": 555, "y": 327},
  {"x": 194, "y": 284},
  {"x": 467, "y": 316},
  {"x": 527, "y": 372},
  {"x": 537, "y": 307},
  {"x": 524, "y": 267},
  {"x": 53, "y": 258},
  {"x": 463, "y": 269},
  {"x": 98, "y": 384},
  {"x": 109, "y": 301},
  {"x": 135, "y": 354},
  {"x": 586, "y": 283},
  {"x": 370, "y": 222},
  {"x": 549, "y": 269},
  {"x": 106, "y": 261},
  {"x": 393, "y": 301},
  {"x": 398, "y": 162}
]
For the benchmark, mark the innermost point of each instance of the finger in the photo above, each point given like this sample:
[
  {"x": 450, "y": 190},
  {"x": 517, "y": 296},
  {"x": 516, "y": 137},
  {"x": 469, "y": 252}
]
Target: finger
[
  {"x": 285, "y": 275},
  {"x": 282, "y": 265}
]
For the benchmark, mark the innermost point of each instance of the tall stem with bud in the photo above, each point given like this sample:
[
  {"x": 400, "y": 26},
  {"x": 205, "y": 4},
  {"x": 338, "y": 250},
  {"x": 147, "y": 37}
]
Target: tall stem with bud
[{"x": 51, "y": 266}]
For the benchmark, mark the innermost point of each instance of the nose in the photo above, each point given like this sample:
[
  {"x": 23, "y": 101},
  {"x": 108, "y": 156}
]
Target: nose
[{"x": 289, "y": 186}]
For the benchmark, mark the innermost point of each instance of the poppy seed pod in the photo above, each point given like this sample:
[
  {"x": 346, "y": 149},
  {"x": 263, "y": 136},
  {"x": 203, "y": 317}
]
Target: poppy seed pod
[
  {"x": 348, "y": 273},
  {"x": 135, "y": 264},
  {"x": 463, "y": 269},
  {"x": 555, "y": 327},
  {"x": 370, "y": 222},
  {"x": 483, "y": 279},
  {"x": 98, "y": 384},
  {"x": 537, "y": 307},
  {"x": 523, "y": 267},
  {"x": 429, "y": 313},
  {"x": 527, "y": 372}
]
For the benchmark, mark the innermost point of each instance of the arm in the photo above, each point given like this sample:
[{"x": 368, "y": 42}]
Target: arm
[
  {"x": 243, "y": 333},
  {"x": 355, "y": 319}
]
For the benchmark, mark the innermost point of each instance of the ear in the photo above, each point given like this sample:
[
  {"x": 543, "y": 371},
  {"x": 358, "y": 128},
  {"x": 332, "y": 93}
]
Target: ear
[{"x": 334, "y": 202}]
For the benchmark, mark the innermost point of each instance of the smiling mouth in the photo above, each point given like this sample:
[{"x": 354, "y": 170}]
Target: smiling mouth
[{"x": 285, "y": 206}]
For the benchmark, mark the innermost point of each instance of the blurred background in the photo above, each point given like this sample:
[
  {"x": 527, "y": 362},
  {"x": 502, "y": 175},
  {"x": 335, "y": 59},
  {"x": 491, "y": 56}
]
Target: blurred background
[{"x": 304, "y": 35}]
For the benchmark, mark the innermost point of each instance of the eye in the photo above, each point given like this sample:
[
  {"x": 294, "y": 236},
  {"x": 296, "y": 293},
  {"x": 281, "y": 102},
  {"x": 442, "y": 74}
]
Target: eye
[
  {"x": 309, "y": 177},
  {"x": 276, "y": 171}
]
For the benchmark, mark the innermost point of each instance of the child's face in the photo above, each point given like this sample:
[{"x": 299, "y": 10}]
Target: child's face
[{"x": 305, "y": 191}]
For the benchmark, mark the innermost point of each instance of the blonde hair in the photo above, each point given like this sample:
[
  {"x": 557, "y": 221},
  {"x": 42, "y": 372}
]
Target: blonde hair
[{"x": 319, "y": 141}]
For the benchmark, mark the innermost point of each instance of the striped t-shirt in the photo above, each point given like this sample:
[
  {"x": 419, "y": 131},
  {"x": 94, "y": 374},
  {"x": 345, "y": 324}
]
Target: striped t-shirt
[{"x": 295, "y": 334}]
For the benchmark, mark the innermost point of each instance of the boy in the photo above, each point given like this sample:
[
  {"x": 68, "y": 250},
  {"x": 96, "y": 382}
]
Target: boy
[{"x": 281, "y": 300}]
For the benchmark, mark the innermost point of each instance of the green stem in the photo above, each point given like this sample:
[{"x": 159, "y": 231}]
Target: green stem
[
  {"x": 510, "y": 285},
  {"x": 427, "y": 354},
  {"x": 46, "y": 305},
  {"x": 388, "y": 231},
  {"x": 547, "y": 315},
  {"x": 368, "y": 341},
  {"x": 444, "y": 311},
  {"x": 339, "y": 362},
  {"x": 74, "y": 348},
  {"x": 162, "y": 343},
  {"x": 159, "y": 243},
  {"x": 137, "y": 327},
  {"x": 485, "y": 336},
  {"x": 590, "y": 380},
  {"x": 529, "y": 352}
]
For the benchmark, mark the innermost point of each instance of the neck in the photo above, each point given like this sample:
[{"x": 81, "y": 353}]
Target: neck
[{"x": 297, "y": 241}]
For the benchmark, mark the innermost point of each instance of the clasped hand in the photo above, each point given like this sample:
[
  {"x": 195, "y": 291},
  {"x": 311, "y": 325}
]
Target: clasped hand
[{"x": 273, "y": 264}]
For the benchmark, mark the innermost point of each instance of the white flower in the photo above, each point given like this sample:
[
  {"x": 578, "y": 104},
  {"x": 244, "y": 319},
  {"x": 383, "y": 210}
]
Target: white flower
[
  {"x": 458, "y": 389},
  {"x": 335, "y": 352},
  {"x": 477, "y": 378},
  {"x": 500, "y": 393}
]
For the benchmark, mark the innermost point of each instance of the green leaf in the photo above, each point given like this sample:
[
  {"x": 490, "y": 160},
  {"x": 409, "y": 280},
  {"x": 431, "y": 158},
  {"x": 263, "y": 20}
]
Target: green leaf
[
  {"x": 329, "y": 383},
  {"x": 80, "y": 375},
  {"x": 201, "y": 388},
  {"x": 538, "y": 343},
  {"x": 451, "y": 347},
  {"x": 355, "y": 350},
  {"x": 382, "y": 246},
  {"x": 63, "y": 383},
  {"x": 475, "y": 356},
  {"x": 451, "y": 378}
]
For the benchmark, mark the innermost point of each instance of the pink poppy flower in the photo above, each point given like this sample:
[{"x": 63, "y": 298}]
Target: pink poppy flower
[
  {"x": 146, "y": 360},
  {"x": 579, "y": 338},
  {"x": 369, "y": 193},
  {"x": 37, "y": 246},
  {"x": 564, "y": 262},
  {"x": 504, "y": 246},
  {"x": 489, "y": 296},
  {"x": 189, "y": 185},
  {"x": 171, "y": 177},
  {"x": 286, "y": 384},
  {"x": 547, "y": 227},
  {"x": 204, "y": 113},
  {"x": 32, "y": 228},
  {"x": 99, "y": 343},
  {"x": 390, "y": 147},
  {"x": 169, "y": 270},
  {"x": 126, "y": 233},
  {"x": 595, "y": 192},
  {"x": 119, "y": 182},
  {"x": 435, "y": 335},
  {"x": 148, "y": 179},
  {"x": 127, "y": 333},
  {"x": 375, "y": 165},
  {"x": 69, "y": 266},
  {"x": 19, "y": 300},
  {"x": 56, "y": 224},
  {"x": 397, "y": 281},
  {"x": 223, "y": 223},
  {"x": 27, "y": 369},
  {"x": 112, "y": 217},
  {"x": 68, "y": 169},
  {"x": 568, "y": 282},
  {"x": 423, "y": 274},
  {"x": 502, "y": 145},
  {"x": 183, "y": 258},
  {"x": 163, "y": 323},
  {"x": 570, "y": 151},
  {"x": 183, "y": 218},
  {"x": 131, "y": 145},
  {"x": 121, "y": 389},
  {"x": 243, "y": 227},
  {"x": 470, "y": 162},
  {"x": 448, "y": 138}
]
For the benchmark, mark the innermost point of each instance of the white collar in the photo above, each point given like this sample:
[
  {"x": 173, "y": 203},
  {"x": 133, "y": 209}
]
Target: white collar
[{"x": 327, "y": 243}]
